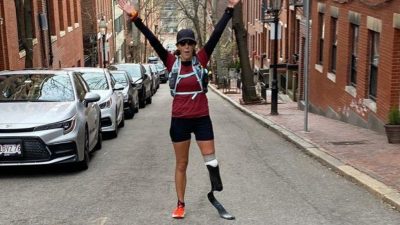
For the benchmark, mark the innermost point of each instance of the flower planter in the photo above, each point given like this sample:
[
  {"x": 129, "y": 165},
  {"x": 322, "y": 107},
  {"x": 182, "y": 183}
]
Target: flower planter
[{"x": 393, "y": 133}]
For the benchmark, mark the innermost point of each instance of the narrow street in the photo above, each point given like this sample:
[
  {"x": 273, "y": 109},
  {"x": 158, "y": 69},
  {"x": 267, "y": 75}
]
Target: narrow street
[{"x": 131, "y": 180}]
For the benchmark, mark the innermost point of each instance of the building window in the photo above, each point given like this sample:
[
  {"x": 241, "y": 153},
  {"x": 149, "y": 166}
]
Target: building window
[
  {"x": 76, "y": 19},
  {"x": 24, "y": 22},
  {"x": 374, "y": 63},
  {"x": 69, "y": 13},
  {"x": 334, "y": 45},
  {"x": 61, "y": 15},
  {"x": 354, "y": 33},
  {"x": 52, "y": 18},
  {"x": 321, "y": 34}
]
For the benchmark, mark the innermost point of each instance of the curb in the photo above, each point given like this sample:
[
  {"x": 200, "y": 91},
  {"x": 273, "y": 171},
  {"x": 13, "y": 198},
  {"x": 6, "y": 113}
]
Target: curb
[{"x": 377, "y": 188}]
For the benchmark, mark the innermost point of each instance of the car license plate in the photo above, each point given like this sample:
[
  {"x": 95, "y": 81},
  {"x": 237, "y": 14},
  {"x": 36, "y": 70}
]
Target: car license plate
[{"x": 10, "y": 149}]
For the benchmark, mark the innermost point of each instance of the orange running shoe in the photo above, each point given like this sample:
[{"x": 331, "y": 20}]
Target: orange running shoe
[{"x": 179, "y": 212}]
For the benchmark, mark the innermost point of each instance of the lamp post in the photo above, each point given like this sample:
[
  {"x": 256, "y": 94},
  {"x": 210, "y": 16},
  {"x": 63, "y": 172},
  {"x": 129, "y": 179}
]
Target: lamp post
[
  {"x": 103, "y": 32},
  {"x": 273, "y": 10}
]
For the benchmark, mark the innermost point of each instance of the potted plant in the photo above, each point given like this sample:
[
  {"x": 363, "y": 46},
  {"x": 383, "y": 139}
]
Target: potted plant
[{"x": 393, "y": 126}]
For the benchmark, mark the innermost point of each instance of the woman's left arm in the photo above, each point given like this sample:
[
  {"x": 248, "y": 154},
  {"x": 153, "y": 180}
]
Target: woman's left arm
[{"x": 220, "y": 27}]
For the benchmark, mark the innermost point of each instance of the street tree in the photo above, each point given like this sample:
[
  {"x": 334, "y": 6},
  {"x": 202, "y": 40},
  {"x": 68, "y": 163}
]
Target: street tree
[{"x": 249, "y": 94}]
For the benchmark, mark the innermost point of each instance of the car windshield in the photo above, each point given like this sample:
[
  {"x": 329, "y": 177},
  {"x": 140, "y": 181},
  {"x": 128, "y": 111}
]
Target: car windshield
[
  {"x": 160, "y": 66},
  {"x": 36, "y": 88},
  {"x": 96, "y": 80},
  {"x": 132, "y": 69},
  {"x": 120, "y": 79}
]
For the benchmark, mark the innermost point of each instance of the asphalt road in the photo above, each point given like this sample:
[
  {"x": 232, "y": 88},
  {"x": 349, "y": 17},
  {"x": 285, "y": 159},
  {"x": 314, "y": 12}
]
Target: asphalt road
[{"x": 130, "y": 181}]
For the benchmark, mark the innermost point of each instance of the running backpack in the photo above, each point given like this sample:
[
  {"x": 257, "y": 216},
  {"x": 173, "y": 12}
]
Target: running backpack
[{"x": 198, "y": 71}]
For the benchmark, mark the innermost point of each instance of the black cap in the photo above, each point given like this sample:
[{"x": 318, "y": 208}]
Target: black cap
[{"x": 185, "y": 34}]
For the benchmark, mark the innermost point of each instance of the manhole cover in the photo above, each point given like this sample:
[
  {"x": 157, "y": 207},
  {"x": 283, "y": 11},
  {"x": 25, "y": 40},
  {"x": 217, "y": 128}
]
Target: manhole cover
[{"x": 348, "y": 142}]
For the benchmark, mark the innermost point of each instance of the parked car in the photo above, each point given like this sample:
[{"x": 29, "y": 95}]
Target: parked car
[
  {"x": 153, "y": 59},
  {"x": 111, "y": 102},
  {"x": 163, "y": 72},
  {"x": 150, "y": 73},
  {"x": 130, "y": 92},
  {"x": 139, "y": 77},
  {"x": 157, "y": 73},
  {"x": 47, "y": 117}
]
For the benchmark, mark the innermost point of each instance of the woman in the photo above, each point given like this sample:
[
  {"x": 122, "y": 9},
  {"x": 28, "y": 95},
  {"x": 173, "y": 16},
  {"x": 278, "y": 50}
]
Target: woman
[{"x": 190, "y": 112}]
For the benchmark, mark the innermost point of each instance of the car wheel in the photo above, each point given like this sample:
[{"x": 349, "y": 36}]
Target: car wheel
[
  {"x": 122, "y": 123},
  {"x": 142, "y": 101},
  {"x": 99, "y": 143},
  {"x": 84, "y": 164},
  {"x": 148, "y": 100},
  {"x": 130, "y": 113},
  {"x": 114, "y": 133}
]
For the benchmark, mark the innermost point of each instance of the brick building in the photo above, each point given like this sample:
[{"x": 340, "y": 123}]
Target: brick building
[
  {"x": 258, "y": 20},
  {"x": 97, "y": 46},
  {"x": 355, "y": 60},
  {"x": 354, "y": 55},
  {"x": 45, "y": 33}
]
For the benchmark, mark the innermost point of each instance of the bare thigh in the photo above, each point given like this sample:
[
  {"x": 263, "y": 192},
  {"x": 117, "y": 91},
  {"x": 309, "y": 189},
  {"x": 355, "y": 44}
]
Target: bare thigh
[{"x": 206, "y": 147}]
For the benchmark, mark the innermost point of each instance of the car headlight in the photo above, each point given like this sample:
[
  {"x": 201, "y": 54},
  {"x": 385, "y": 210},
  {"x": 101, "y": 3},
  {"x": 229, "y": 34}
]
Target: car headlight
[
  {"x": 67, "y": 125},
  {"x": 106, "y": 104}
]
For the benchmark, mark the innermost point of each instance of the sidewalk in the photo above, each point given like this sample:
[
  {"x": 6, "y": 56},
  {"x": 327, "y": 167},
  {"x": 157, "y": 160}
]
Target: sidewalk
[{"x": 358, "y": 154}]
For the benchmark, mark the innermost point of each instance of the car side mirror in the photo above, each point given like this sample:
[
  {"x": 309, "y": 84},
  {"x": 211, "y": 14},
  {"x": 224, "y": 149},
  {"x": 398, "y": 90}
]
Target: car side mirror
[
  {"x": 118, "y": 87},
  {"x": 91, "y": 97}
]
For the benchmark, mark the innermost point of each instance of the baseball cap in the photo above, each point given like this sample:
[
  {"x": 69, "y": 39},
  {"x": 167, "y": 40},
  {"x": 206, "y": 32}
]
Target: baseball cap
[{"x": 185, "y": 34}]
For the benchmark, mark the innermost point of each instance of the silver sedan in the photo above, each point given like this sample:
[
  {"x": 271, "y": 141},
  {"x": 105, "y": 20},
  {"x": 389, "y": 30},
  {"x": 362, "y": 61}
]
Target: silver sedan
[
  {"x": 47, "y": 117},
  {"x": 111, "y": 102}
]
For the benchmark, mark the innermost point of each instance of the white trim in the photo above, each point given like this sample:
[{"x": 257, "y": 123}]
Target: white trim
[
  {"x": 331, "y": 76},
  {"x": 34, "y": 41},
  {"x": 53, "y": 38},
  {"x": 76, "y": 25},
  {"x": 69, "y": 29},
  {"x": 319, "y": 68},
  {"x": 22, "y": 54},
  {"x": 351, "y": 90},
  {"x": 396, "y": 20},
  {"x": 62, "y": 33},
  {"x": 370, "y": 104}
]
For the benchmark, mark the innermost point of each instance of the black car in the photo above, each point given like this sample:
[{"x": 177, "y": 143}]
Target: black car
[
  {"x": 153, "y": 76},
  {"x": 139, "y": 78},
  {"x": 130, "y": 92},
  {"x": 163, "y": 72}
]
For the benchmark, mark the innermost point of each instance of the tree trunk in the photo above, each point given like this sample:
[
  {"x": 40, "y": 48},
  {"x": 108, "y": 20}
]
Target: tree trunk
[{"x": 248, "y": 88}]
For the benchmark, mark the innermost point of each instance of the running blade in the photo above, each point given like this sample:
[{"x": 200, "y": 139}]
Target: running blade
[{"x": 220, "y": 208}]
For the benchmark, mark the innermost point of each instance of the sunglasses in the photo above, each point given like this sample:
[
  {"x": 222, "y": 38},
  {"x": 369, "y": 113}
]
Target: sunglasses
[{"x": 184, "y": 42}]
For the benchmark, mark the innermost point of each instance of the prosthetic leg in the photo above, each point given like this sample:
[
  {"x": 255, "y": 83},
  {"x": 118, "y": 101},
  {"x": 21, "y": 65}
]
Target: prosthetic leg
[{"x": 216, "y": 185}]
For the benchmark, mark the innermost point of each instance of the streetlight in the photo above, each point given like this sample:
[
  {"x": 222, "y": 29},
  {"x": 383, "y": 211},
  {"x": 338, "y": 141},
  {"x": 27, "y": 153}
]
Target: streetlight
[
  {"x": 103, "y": 32},
  {"x": 272, "y": 15}
]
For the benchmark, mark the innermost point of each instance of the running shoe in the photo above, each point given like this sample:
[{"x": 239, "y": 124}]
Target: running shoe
[{"x": 179, "y": 212}]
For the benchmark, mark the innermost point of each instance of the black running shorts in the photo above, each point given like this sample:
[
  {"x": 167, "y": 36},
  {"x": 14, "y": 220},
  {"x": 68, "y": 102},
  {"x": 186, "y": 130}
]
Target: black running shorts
[{"x": 181, "y": 129}]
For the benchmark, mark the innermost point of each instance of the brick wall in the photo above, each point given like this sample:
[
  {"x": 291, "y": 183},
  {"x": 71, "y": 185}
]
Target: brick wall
[
  {"x": 66, "y": 45},
  {"x": 328, "y": 93}
]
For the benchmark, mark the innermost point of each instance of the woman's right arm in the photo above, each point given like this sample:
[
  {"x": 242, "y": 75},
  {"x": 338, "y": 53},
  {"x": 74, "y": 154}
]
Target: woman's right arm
[{"x": 133, "y": 14}]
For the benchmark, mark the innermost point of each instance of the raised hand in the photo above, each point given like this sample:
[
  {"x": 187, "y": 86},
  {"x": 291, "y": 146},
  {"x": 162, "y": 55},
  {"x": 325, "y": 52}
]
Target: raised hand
[
  {"x": 127, "y": 8},
  {"x": 232, "y": 3}
]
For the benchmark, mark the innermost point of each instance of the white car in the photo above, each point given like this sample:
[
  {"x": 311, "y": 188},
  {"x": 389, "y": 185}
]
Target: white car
[
  {"x": 111, "y": 99},
  {"x": 47, "y": 117}
]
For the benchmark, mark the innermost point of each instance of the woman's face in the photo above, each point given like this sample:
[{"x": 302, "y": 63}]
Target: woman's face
[{"x": 186, "y": 48}]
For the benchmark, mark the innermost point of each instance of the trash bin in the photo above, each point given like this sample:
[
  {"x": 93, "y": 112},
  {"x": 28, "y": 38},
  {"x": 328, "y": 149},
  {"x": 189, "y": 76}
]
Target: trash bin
[{"x": 264, "y": 90}]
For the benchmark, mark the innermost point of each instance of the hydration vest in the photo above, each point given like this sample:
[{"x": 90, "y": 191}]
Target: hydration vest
[{"x": 198, "y": 71}]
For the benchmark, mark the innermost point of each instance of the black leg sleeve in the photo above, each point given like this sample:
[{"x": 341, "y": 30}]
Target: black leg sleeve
[{"x": 215, "y": 178}]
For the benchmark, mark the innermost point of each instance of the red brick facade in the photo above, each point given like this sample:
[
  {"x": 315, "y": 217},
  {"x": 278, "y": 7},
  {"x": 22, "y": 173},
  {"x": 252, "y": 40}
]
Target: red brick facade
[
  {"x": 331, "y": 93},
  {"x": 64, "y": 27}
]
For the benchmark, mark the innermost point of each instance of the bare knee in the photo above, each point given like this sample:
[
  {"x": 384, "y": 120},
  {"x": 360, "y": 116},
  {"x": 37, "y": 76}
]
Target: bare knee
[{"x": 181, "y": 166}]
